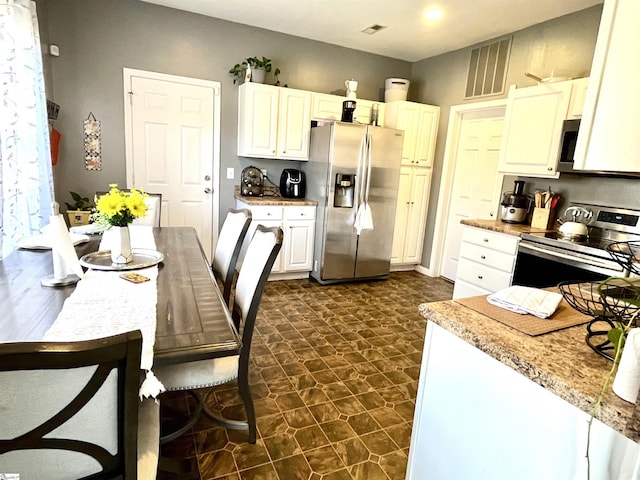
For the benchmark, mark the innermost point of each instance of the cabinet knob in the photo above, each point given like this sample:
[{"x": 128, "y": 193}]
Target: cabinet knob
[
  {"x": 491, "y": 214},
  {"x": 549, "y": 169},
  {"x": 483, "y": 257},
  {"x": 485, "y": 240},
  {"x": 480, "y": 277},
  {"x": 274, "y": 152}
]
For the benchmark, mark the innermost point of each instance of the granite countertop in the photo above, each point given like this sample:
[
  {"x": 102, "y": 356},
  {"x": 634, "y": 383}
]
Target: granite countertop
[
  {"x": 501, "y": 227},
  {"x": 274, "y": 199},
  {"x": 559, "y": 361}
]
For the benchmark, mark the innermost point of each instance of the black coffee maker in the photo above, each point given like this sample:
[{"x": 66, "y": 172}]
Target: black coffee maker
[
  {"x": 348, "y": 107},
  {"x": 292, "y": 183}
]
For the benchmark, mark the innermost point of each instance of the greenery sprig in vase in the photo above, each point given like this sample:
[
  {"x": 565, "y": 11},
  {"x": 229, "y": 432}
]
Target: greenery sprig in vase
[{"x": 264, "y": 63}]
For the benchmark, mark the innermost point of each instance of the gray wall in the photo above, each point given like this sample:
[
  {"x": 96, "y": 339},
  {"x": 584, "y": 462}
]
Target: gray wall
[
  {"x": 564, "y": 45},
  {"x": 97, "y": 38}
]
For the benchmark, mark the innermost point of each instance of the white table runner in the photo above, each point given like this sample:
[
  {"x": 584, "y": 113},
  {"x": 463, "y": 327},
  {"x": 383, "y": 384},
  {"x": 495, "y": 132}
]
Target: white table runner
[{"x": 103, "y": 304}]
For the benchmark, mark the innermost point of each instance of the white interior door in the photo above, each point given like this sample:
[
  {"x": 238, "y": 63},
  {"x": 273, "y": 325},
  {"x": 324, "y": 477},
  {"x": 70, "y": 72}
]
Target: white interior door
[
  {"x": 173, "y": 144},
  {"x": 476, "y": 186}
]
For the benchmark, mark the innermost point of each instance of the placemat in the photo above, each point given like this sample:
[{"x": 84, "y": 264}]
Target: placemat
[{"x": 564, "y": 316}]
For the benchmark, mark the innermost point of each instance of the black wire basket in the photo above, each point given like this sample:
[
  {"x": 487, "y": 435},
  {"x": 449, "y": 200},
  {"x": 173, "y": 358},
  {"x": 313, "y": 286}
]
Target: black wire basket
[
  {"x": 627, "y": 254},
  {"x": 610, "y": 302}
]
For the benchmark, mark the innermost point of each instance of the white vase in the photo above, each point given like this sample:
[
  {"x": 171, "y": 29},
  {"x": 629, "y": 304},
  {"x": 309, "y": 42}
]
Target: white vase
[{"x": 121, "y": 246}]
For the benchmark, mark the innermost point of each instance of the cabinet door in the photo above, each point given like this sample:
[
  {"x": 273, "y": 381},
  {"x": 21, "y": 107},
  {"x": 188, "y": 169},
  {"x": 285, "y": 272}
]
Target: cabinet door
[
  {"x": 402, "y": 215},
  {"x": 533, "y": 124},
  {"x": 277, "y": 265},
  {"x": 608, "y": 138},
  {"x": 257, "y": 120},
  {"x": 578, "y": 95},
  {"x": 294, "y": 124},
  {"x": 326, "y": 107},
  {"x": 405, "y": 116},
  {"x": 298, "y": 245},
  {"x": 427, "y": 131},
  {"x": 420, "y": 186},
  {"x": 363, "y": 111}
]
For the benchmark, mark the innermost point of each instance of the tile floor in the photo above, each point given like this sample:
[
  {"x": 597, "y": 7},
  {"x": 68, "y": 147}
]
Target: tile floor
[{"x": 334, "y": 377}]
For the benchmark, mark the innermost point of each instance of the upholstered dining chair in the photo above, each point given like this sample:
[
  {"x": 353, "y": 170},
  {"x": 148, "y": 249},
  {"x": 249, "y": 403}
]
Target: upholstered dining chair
[
  {"x": 252, "y": 278},
  {"x": 234, "y": 229},
  {"x": 154, "y": 209},
  {"x": 71, "y": 410}
]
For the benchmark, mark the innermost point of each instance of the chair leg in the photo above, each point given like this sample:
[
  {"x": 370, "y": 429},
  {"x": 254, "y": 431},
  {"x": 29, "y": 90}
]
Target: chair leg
[{"x": 245, "y": 394}]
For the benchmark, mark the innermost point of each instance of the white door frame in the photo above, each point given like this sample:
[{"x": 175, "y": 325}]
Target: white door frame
[
  {"x": 127, "y": 73},
  {"x": 446, "y": 180}
]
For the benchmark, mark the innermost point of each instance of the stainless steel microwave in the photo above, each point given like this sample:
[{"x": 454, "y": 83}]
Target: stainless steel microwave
[{"x": 568, "y": 141}]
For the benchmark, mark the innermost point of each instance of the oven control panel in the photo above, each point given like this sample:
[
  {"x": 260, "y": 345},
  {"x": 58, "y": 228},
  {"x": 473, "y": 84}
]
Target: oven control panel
[{"x": 612, "y": 218}]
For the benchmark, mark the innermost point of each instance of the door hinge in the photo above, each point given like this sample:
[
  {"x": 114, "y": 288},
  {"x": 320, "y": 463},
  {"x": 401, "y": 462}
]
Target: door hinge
[{"x": 130, "y": 97}]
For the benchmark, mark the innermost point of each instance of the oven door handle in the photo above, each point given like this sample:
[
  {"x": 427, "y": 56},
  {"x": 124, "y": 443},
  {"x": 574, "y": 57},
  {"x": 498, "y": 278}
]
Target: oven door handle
[{"x": 574, "y": 261}]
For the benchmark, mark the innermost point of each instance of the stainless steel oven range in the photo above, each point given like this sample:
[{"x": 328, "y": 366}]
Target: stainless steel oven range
[{"x": 546, "y": 259}]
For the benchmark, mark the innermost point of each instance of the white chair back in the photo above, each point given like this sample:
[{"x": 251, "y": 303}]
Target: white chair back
[
  {"x": 154, "y": 207},
  {"x": 234, "y": 229}
]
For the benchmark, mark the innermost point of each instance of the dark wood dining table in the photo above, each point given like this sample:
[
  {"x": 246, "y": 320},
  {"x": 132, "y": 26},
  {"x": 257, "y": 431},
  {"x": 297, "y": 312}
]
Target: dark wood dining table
[{"x": 193, "y": 322}]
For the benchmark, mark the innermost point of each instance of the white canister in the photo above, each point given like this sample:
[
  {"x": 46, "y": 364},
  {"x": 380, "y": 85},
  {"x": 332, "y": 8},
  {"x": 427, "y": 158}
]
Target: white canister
[{"x": 395, "y": 89}]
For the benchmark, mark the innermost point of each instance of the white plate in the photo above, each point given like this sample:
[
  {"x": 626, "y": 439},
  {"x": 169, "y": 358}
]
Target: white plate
[
  {"x": 42, "y": 241},
  {"x": 90, "y": 229}
]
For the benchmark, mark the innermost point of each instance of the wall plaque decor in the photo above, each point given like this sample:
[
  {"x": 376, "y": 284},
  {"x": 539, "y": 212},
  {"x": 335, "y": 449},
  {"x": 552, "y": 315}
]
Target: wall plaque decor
[{"x": 92, "y": 143}]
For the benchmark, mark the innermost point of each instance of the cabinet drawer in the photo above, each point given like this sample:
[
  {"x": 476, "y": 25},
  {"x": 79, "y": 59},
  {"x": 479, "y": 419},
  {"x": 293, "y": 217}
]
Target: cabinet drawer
[
  {"x": 496, "y": 241},
  {"x": 482, "y": 276},
  {"x": 462, "y": 289},
  {"x": 266, "y": 212},
  {"x": 486, "y": 256},
  {"x": 300, "y": 213}
]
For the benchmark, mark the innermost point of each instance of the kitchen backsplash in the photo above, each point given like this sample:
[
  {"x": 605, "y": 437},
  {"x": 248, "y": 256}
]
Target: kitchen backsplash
[{"x": 621, "y": 192}]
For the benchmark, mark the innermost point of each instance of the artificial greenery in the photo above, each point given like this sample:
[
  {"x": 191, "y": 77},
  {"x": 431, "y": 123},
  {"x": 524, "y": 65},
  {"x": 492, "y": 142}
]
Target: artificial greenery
[
  {"x": 263, "y": 63},
  {"x": 617, "y": 336},
  {"x": 79, "y": 202}
]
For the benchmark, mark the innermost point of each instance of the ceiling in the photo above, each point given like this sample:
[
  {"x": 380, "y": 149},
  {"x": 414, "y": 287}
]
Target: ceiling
[{"x": 407, "y": 36}]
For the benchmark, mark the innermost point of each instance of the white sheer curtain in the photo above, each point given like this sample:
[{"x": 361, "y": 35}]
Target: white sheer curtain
[{"x": 26, "y": 183}]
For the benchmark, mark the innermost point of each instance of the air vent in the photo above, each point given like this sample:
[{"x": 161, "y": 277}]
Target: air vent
[
  {"x": 373, "y": 29},
  {"x": 488, "y": 69}
]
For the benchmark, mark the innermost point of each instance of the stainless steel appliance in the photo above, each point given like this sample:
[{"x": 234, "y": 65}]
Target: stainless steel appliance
[
  {"x": 546, "y": 259},
  {"x": 292, "y": 183},
  {"x": 515, "y": 205},
  {"x": 338, "y": 176}
]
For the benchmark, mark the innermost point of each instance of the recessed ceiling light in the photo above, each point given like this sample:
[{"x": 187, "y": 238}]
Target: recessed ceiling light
[
  {"x": 373, "y": 29},
  {"x": 433, "y": 14}
]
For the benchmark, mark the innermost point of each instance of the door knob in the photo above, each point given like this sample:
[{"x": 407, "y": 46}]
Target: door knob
[
  {"x": 207, "y": 178},
  {"x": 207, "y": 190}
]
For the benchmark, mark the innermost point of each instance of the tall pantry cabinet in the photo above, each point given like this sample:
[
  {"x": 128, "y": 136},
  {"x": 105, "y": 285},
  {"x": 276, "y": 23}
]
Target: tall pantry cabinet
[{"x": 420, "y": 125}]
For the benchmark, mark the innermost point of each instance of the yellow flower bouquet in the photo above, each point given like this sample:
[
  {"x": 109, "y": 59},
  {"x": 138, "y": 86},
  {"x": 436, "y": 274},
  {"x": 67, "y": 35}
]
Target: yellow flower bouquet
[{"x": 119, "y": 208}]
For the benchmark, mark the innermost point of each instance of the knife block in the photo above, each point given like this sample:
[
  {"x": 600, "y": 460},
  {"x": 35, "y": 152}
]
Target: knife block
[{"x": 542, "y": 218}]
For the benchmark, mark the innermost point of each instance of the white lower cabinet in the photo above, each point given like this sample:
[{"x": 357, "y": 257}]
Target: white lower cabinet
[
  {"x": 411, "y": 215},
  {"x": 486, "y": 262},
  {"x": 298, "y": 227}
]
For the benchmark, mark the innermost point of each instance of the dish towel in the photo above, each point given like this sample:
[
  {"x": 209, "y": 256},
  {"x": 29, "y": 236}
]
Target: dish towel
[
  {"x": 103, "y": 304},
  {"x": 364, "y": 218},
  {"x": 523, "y": 300}
]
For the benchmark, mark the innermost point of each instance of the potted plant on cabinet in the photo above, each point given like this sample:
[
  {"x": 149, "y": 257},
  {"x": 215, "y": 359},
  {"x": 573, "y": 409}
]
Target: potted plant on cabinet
[
  {"x": 79, "y": 211},
  {"x": 259, "y": 67}
]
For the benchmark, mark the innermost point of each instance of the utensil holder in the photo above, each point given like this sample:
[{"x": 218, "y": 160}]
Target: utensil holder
[{"x": 542, "y": 218}]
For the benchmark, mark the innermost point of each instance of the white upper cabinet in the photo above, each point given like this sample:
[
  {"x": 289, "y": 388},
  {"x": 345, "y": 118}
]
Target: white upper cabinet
[
  {"x": 273, "y": 122},
  {"x": 420, "y": 125},
  {"x": 608, "y": 138},
  {"x": 532, "y": 129}
]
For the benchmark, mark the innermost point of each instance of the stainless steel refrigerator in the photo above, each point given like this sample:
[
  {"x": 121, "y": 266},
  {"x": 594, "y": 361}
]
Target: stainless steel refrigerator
[{"x": 353, "y": 168}]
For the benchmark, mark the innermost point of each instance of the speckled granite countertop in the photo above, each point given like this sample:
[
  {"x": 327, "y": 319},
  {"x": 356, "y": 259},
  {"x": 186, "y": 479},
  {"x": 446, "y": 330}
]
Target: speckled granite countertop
[
  {"x": 273, "y": 200},
  {"x": 499, "y": 226},
  {"x": 559, "y": 361}
]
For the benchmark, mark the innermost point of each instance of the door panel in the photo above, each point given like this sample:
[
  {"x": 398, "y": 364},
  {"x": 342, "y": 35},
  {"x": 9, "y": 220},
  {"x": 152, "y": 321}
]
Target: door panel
[
  {"x": 476, "y": 182},
  {"x": 172, "y": 134},
  {"x": 374, "y": 246},
  {"x": 340, "y": 238}
]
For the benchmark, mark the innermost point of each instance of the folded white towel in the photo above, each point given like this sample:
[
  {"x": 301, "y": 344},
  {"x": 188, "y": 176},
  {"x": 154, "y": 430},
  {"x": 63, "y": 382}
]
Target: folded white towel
[{"x": 523, "y": 300}]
